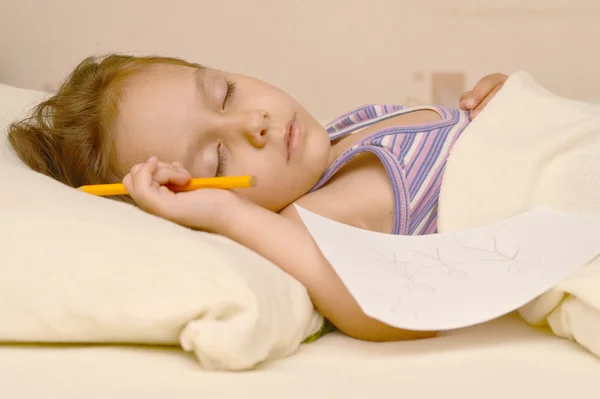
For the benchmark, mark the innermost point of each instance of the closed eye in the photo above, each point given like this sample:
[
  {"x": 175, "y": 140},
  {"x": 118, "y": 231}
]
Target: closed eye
[
  {"x": 221, "y": 160},
  {"x": 230, "y": 91}
]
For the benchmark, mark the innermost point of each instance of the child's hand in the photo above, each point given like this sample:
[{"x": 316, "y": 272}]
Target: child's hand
[
  {"x": 476, "y": 99},
  {"x": 204, "y": 209}
]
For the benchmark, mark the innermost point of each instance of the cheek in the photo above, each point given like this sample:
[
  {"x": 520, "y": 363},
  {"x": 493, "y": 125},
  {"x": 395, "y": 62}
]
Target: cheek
[
  {"x": 250, "y": 163},
  {"x": 273, "y": 189}
]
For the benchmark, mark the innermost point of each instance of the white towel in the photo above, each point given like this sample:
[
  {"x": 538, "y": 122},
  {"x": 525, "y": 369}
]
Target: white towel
[{"x": 530, "y": 147}]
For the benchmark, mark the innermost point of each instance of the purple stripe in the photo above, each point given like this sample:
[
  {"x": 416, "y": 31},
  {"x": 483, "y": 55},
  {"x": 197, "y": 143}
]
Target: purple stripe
[
  {"x": 448, "y": 134},
  {"x": 431, "y": 225},
  {"x": 420, "y": 173},
  {"x": 423, "y": 166},
  {"x": 427, "y": 205},
  {"x": 423, "y": 206},
  {"x": 423, "y": 143},
  {"x": 406, "y": 143}
]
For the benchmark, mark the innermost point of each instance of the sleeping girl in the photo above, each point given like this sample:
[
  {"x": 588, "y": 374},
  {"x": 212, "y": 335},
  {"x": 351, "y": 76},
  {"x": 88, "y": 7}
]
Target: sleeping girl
[{"x": 152, "y": 121}]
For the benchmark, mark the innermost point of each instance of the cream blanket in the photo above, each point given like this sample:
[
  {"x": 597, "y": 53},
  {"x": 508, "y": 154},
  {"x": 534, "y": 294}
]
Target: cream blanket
[{"x": 530, "y": 147}]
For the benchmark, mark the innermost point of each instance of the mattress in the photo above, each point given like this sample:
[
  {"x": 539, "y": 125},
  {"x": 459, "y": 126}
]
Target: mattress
[{"x": 499, "y": 359}]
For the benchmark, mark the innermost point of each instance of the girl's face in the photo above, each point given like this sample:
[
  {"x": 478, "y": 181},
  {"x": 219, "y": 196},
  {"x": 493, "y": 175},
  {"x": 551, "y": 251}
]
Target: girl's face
[{"x": 220, "y": 124}]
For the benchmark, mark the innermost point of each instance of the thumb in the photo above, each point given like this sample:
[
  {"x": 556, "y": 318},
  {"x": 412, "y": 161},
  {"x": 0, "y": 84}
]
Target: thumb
[{"x": 466, "y": 102}]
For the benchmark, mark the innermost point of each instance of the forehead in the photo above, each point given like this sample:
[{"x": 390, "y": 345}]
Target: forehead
[{"x": 156, "y": 113}]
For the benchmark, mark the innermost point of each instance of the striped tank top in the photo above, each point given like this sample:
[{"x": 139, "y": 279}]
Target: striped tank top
[{"x": 414, "y": 158}]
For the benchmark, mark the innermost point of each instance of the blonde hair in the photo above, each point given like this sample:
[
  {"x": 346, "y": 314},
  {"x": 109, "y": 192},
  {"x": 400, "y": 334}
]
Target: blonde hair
[{"x": 69, "y": 136}]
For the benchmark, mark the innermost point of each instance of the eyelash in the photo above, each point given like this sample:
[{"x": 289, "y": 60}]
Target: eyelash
[
  {"x": 230, "y": 91},
  {"x": 221, "y": 156},
  {"x": 222, "y": 160}
]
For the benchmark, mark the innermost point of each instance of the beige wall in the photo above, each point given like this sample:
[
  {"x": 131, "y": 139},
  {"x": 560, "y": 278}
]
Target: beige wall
[{"x": 329, "y": 54}]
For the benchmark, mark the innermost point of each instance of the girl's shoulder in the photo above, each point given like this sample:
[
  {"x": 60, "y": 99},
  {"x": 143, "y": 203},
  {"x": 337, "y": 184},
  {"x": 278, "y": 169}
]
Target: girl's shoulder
[{"x": 359, "y": 195}]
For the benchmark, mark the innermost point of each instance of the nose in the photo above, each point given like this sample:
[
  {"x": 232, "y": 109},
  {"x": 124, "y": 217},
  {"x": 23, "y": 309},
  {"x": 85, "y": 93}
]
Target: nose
[{"x": 252, "y": 125}]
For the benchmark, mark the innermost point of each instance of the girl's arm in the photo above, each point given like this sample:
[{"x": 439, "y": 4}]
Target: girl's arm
[
  {"x": 281, "y": 238},
  {"x": 286, "y": 242}
]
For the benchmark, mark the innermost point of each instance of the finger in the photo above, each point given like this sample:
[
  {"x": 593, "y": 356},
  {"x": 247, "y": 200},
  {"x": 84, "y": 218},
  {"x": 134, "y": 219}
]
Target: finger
[
  {"x": 465, "y": 95},
  {"x": 479, "y": 92},
  {"x": 162, "y": 166},
  {"x": 128, "y": 179},
  {"x": 127, "y": 182},
  {"x": 176, "y": 166},
  {"x": 180, "y": 166},
  {"x": 164, "y": 190},
  {"x": 142, "y": 178},
  {"x": 146, "y": 190},
  {"x": 462, "y": 99},
  {"x": 482, "y": 89},
  {"x": 485, "y": 102},
  {"x": 171, "y": 175},
  {"x": 500, "y": 78}
]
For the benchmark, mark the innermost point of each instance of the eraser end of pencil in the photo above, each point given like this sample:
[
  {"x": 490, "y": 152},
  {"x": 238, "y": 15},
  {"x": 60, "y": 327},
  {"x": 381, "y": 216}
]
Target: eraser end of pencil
[{"x": 253, "y": 181}]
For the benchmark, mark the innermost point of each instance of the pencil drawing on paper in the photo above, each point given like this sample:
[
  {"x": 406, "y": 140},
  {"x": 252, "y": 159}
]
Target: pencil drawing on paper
[
  {"x": 409, "y": 264},
  {"x": 455, "y": 279},
  {"x": 407, "y": 271},
  {"x": 510, "y": 260},
  {"x": 445, "y": 266}
]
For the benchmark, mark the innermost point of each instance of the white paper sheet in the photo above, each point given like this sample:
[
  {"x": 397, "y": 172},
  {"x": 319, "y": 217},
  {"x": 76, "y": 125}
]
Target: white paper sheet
[{"x": 452, "y": 280}]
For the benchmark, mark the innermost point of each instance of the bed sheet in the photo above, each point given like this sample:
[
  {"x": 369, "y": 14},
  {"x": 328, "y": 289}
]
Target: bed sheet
[{"x": 500, "y": 359}]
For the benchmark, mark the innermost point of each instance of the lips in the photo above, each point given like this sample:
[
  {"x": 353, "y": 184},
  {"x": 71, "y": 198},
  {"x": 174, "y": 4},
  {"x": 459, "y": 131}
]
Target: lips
[{"x": 291, "y": 137}]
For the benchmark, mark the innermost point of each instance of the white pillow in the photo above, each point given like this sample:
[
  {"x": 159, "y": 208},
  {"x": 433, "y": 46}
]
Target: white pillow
[{"x": 78, "y": 268}]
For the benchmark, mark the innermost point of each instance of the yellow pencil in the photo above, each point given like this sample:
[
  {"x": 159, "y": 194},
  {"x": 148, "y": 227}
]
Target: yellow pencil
[{"x": 225, "y": 182}]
